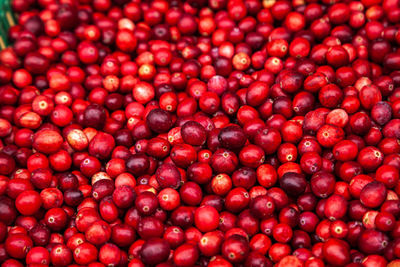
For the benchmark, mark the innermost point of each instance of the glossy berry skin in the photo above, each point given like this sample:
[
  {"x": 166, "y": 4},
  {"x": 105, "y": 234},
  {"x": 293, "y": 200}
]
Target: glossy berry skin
[
  {"x": 206, "y": 218},
  {"x": 193, "y": 133},
  {"x": 159, "y": 120},
  {"x": 293, "y": 183},
  {"x": 235, "y": 248},
  {"x": 154, "y": 251},
  {"x": 335, "y": 207},
  {"x": 168, "y": 175},
  {"x": 85, "y": 253},
  {"x": 18, "y": 245},
  {"x": 373, "y": 194},
  {"x": 200, "y": 133},
  {"x": 336, "y": 252},
  {"x": 186, "y": 255},
  {"x": 375, "y": 245},
  {"x": 232, "y": 137},
  {"x": 47, "y": 141},
  {"x": 262, "y": 207},
  {"x": 28, "y": 202}
]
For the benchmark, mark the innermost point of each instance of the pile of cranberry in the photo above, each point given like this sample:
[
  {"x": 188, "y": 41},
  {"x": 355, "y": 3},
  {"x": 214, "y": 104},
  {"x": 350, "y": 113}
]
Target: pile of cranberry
[{"x": 201, "y": 133}]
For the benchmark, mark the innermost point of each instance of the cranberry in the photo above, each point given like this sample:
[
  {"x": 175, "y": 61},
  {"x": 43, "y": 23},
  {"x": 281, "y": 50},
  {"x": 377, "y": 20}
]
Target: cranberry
[
  {"x": 372, "y": 241},
  {"x": 124, "y": 196},
  {"x": 193, "y": 133},
  {"x": 85, "y": 253},
  {"x": 28, "y": 202},
  {"x": 186, "y": 255},
  {"x": 206, "y": 218},
  {"x": 38, "y": 255},
  {"x": 237, "y": 199},
  {"x": 154, "y": 251},
  {"x": 94, "y": 116},
  {"x": 293, "y": 183},
  {"x": 47, "y": 141},
  {"x": 138, "y": 164},
  {"x": 329, "y": 135},
  {"x": 381, "y": 112},
  {"x": 191, "y": 193},
  {"x": 159, "y": 120},
  {"x": 224, "y": 161},
  {"x": 257, "y": 93},
  {"x": 373, "y": 194},
  {"x": 56, "y": 219},
  {"x": 251, "y": 156},
  {"x": 322, "y": 184},
  {"x": 206, "y": 133},
  {"x": 18, "y": 245},
  {"x": 268, "y": 139},
  {"x": 146, "y": 203},
  {"x": 168, "y": 175},
  {"x": 235, "y": 248},
  {"x": 102, "y": 188},
  {"x": 335, "y": 251},
  {"x": 232, "y": 137},
  {"x": 335, "y": 207},
  {"x": 61, "y": 255}
]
